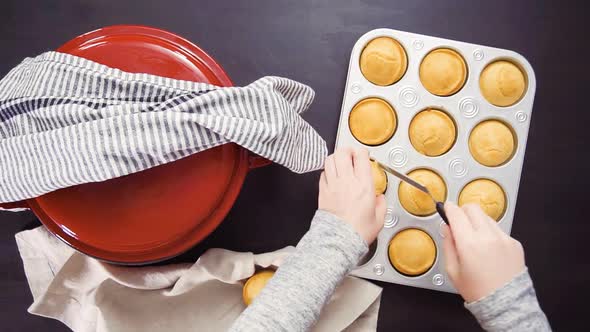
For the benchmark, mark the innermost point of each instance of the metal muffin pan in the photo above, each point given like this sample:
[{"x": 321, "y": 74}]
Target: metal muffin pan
[{"x": 457, "y": 167}]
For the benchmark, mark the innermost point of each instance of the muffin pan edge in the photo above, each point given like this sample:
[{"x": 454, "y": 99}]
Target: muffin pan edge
[{"x": 457, "y": 166}]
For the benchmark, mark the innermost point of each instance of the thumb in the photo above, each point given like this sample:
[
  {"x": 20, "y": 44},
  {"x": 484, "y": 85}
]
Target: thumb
[
  {"x": 450, "y": 252},
  {"x": 380, "y": 209}
]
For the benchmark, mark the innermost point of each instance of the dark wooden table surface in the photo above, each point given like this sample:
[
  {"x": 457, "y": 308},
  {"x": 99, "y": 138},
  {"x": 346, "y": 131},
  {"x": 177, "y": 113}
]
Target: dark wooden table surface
[{"x": 310, "y": 41}]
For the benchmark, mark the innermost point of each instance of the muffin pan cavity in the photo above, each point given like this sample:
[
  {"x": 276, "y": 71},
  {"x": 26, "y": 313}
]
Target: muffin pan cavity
[
  {"x": 443, "y": 72},
  {"x": 432, "y": 132},
  {"x": 369, "y": 255},
  {"x": 502, "y": 83},
  {"x": 416, "y": 202},
  {"x": 412, "y": 252},
  {"x": 487, "y": 194},
  {"x": 492, "y": 143},
  {"x": 454, "y": 113},
  {"x": 379, "y": 178},
  {"x": 383, "y": 61},
  {"x": 372, "y": 121}
]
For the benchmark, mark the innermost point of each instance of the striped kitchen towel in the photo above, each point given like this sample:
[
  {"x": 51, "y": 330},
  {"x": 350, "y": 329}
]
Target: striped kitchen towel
[{"x": 65, "y": 120}]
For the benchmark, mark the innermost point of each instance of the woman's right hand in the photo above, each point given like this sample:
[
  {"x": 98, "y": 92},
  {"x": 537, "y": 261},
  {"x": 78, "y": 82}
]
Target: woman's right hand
[{"x": 479, "y": 257}]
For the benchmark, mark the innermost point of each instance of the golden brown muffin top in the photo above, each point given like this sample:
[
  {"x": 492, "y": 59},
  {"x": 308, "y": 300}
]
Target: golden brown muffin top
[
  {"x": 415, "y": 201},
  {"x": 502, "y": 83},
  {"x": 412, "y": 252},
  {"x": 487, "y": 194},
  {"x": 255, "y": 284},
  {"x": 372, "y": 121},
  {"x": 443, "y": 72},
  {"x": 383, "y": 61},
  {"x": 432, "y": 132},
  {"x": 492, "y": 143}
]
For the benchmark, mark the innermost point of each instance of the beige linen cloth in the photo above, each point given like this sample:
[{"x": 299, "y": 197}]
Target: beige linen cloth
[{"x": 88, "y": 295}]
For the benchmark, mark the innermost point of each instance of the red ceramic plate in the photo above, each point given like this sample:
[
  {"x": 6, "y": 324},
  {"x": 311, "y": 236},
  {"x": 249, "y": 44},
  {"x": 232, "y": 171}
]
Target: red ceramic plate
[{"x": 161, "y": 212}]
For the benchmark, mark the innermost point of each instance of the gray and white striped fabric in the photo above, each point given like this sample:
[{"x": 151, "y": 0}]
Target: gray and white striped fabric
[{"x": 65, "y": 121}]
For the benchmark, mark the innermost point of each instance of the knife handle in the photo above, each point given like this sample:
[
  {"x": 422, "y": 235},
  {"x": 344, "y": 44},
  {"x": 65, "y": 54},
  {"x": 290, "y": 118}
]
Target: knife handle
[{"x": 440, "y": 208}]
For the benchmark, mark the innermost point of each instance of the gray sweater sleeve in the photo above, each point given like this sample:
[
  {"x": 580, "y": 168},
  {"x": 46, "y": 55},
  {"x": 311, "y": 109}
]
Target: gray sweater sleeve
[
  {"x": 293, "y": 298},
  {"x": 513, "y": 307}
]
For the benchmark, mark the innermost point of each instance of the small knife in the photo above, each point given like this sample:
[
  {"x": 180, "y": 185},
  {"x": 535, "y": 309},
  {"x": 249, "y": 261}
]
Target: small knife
[{"x": 440, "y": 206}]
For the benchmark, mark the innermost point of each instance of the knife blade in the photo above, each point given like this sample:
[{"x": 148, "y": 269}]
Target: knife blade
[
  {"x": 403, "y": 177},
  {"x": 440, "y": 207}
]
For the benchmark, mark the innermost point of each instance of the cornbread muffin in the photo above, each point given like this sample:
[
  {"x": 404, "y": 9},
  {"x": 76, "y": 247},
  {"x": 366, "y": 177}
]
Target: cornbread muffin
[
  {"x": 372, "y": 121},
  {"x": 443, "y": 72},
  {"x": 502, "y": 83},
  {"x": 417, "y": 202},
  {"x": 255, "y": 284},
  {"x": 488, "y": 194},
  {"x": 412, "y": 252},
  {"x": 379, "y": 178},
  {"x": 491, "y": 143},
  {"x": 383, "y": 61},
  {"x": 432, "y": 132}
]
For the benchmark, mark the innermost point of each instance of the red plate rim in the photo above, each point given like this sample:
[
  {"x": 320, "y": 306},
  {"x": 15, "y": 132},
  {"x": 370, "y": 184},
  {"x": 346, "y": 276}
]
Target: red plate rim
[{"x": 188, "y": 48}]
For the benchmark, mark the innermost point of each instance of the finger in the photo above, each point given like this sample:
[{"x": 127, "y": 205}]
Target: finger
[
  {"x": 482, "y": 221},
  {"x": 493, "y": 225},
  {"x": 476, "y": 216},
  {"x": 450, "y": 252},
  {"x": 460, "y": 226},
  {"x": 330, "y": 168},
  {"x": 343, "y": 161},
  {"x": 380, "y": 209},
  {"x": 362, "y": 164},
  {"x": 446, "y": 230}
]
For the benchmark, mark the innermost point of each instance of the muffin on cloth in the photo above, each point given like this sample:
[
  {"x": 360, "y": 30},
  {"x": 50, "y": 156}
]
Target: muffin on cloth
[
  {"x": 372, "y": 121},
  {"x": 417, "y": 202},
  {"x": 432, "y": 132},
  {"x": 443, "y": 72},
  {"x": 255, "y": 284},
  {"x": 383, "y": 61},
  {"x": 412, "y": 252},
  {"x": 491, "y": 143},
  {"x": 178, "y": 297},
  {"x": 502, "y": 83},
  {"x": 487, "y": 194}
]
